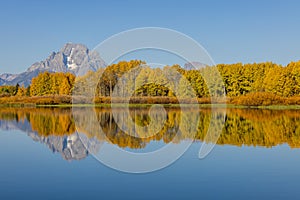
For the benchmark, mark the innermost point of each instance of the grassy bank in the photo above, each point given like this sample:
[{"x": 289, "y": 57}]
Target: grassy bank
[
  {"x": 56, "y": 100},
  {"x": 252, "y": 100}
]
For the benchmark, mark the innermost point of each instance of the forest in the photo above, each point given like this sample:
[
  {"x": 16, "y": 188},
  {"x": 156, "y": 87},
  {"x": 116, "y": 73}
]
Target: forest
[{"x": 244, "y": 84}]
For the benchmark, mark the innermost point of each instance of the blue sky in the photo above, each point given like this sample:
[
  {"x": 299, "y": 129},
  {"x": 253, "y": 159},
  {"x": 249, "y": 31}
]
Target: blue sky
[{"x": 231, "y": 31}]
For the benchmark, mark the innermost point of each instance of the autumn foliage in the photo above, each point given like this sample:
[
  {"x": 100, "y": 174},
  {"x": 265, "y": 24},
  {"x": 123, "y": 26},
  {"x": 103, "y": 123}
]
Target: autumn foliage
[
  {"x": 52, "y": 84},
  {"x": 244, "y": 84}
]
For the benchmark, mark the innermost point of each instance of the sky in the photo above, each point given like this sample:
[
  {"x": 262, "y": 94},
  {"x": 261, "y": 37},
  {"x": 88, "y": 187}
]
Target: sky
[{"x": 231, "y": 31}]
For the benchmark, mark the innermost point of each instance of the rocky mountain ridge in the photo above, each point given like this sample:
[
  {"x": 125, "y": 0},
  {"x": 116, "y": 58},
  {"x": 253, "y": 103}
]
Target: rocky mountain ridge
[{"x": 73, "y": 58}]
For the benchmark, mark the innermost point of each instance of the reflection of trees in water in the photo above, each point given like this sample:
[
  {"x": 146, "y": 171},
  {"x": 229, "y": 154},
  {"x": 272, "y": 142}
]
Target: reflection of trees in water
[
  {"x": 114, "y": 134},
  {"x": 251, "y": 127},
  {"x": 45, "y": 121}
]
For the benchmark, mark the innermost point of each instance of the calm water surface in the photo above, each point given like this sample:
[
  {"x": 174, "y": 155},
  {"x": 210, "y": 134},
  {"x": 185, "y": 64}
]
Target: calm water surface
[{"x": 42, "y": 157}]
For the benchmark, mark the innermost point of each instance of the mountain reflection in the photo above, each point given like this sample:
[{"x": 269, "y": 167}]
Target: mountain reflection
[{"x": 62, "y": 129}]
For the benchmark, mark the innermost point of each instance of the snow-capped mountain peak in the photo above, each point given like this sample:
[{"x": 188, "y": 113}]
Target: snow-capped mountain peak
[{"x": 74, "y": 58}]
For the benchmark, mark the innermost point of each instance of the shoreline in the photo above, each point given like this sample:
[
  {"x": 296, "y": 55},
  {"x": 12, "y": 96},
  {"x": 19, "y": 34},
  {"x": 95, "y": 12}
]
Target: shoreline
[
  {"x": 251, "y": 101},
  {"x": 143, "y": 105}
]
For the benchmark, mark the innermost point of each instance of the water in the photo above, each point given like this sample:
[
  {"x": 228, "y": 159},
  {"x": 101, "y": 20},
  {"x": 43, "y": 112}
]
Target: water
[{"x": 256, "y": 157}]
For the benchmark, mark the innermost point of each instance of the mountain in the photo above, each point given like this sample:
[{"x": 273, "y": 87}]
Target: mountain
[
  {"x": 69, "y": 146},
  {"x": 7, "y": 77},
  {"x": 74, "y": 58},
  {"x": 193, "y": 65}
]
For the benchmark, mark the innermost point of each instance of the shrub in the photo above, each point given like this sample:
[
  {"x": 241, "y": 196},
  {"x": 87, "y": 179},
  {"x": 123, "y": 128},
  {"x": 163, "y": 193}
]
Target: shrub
[{"x": 258, "y": 99}]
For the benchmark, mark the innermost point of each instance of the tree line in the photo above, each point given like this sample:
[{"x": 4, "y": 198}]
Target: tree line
[
  {"x": 136, "y": 79},
  {"x": 170, "y": 81},
  {"x": 44, "y": 84}
]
